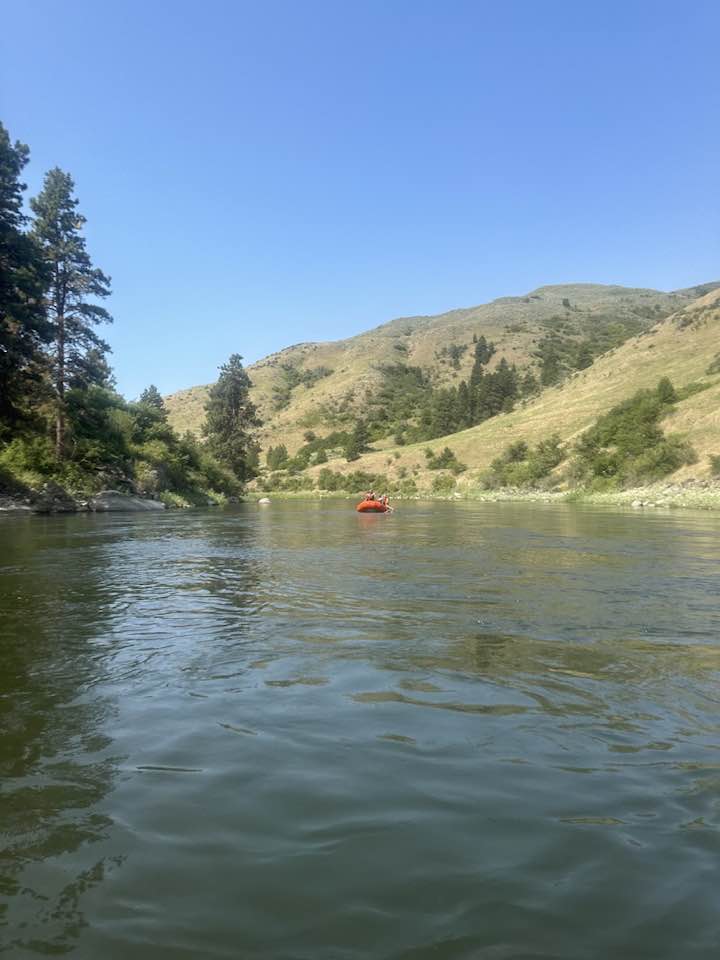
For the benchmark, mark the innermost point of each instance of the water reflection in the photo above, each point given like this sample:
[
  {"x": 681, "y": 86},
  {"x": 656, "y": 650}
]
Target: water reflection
[
  {"x": 56, "y": 762},
  {"x": 456, "y": 731}
]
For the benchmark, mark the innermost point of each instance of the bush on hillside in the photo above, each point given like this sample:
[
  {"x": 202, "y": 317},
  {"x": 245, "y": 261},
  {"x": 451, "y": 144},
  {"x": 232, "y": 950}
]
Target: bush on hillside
[
  {"x": 714, "y": 366},
  {"x": 443, "y": 483},
  {"x": 523, "y": 466},
  {"x": 445, "y": 460},
  {"x": 627, "y": 445}
]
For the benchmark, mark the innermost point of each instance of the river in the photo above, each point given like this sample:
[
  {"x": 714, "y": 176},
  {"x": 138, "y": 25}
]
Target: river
[{"x": 461, "y": 731}]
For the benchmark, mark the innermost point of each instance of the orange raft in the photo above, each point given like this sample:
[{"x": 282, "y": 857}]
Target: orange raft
[{"x": 372, "y": 506}]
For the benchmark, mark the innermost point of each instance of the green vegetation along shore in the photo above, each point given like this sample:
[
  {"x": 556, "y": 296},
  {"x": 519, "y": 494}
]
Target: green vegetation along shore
[{"x": 68, "y": 440}]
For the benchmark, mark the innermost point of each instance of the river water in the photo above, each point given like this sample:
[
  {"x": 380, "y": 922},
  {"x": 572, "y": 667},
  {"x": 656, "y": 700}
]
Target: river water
[{"x": 460, "y": 731}]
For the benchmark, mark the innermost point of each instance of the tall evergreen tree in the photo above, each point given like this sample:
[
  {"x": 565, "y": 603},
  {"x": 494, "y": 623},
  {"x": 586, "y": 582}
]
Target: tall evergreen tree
[
  {"x": 464, "y": 408},
  {"x": 230, "y": 419},
  {"x": 529, "y": 384},
  {"x": 74, "y": 286},
  {"x": 444, "y": 419},
  {"x": 358, "y": 442},
  {"x": 151, "y": 397},
  {"x": 550, "y": 366},
  {"x": 23, "y": 326}
]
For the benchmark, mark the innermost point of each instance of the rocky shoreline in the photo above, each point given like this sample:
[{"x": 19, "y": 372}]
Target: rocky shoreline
[
  {"x": 53, "y": 498},
  {"x": 688, "y": 494}
]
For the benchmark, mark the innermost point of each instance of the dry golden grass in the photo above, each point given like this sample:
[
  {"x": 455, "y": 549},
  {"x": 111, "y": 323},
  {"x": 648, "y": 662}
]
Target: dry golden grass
[
  {"x": 513, "y": 323},
  {"x": 681, "y": 347}
]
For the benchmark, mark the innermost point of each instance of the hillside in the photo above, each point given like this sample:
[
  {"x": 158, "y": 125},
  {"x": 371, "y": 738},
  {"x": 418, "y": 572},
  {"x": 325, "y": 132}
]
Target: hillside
[
  {"x": 684, "y": 347},
  {"x": 323, "y": 386}
]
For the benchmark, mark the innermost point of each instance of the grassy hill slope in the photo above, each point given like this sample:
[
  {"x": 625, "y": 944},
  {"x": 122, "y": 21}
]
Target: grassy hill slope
[
  {"x": 684, "y": 347},
  {"x": 322, "y": 385}
]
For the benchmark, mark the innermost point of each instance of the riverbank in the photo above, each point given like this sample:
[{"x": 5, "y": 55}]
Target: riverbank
[
  {"x": 55, "y": 499},
  {"x": 695, "y": 495},
  {"x": 689, "y": 494}
]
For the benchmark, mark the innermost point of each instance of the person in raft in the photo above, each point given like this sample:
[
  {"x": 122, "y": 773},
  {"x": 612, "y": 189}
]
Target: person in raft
[{"x": 370, "y": 495}]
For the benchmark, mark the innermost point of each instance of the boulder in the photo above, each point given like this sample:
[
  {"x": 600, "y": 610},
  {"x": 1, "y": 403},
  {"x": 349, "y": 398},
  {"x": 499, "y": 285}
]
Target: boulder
[
  {"x": 52, "y": 498},
  {"x": 10, "y": 505},
  {"x": 111, "y": 501},
  {"x": 264, "y": 500}
]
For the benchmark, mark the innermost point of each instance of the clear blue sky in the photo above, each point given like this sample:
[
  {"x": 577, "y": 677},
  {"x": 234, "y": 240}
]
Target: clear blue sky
[{"x": 256, "y": 174}]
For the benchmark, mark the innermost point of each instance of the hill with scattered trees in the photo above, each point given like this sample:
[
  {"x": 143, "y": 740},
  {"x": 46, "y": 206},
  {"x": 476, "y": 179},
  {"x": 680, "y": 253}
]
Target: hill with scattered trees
[
  {"x": 426, "y": 404},
  {"x": 386, "y": 375},
  {"x": 645, "y": 411}
]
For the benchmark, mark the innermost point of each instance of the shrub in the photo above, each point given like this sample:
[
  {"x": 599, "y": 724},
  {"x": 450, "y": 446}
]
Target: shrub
[
  {"x": 627, "y": 445},
  {"x": 521, "y": 466},
  {"x": 29, "y": 457},
  {"x": 714, "y": 366},
  {"x": 443, "y": 483},
  {"x": 446, "y": 459}
]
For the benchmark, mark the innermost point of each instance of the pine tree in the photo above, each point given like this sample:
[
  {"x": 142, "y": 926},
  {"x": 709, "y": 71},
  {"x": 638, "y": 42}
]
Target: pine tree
[
  {"x": 666, "y": 391},
  {"x": 91, "y": 369},
  {"x": 24, "y": 329},
  {"x": 74, "y": 285},
  {"x": 584, "y": 357},
  {"x": 358, "y": 442},
  {"x": 464, "y": 410},
  {"x": 151, "y": 397},
  {"x": 444, "y": 418},
  {"x": 529, "y": 384},
  {"x": 230, "y": 419},
  {"x": 550, "y": 369},
  {"x": 483, "y": 353}
]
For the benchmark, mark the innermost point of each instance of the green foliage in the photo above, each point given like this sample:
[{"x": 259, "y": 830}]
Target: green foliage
[
  {"x": 523, "y": 466},
  {"x": 151, "y": 397},
  {"x": 74, "y": 286},
  {"x": 24, "y": 329},
  {"x": 627, "y": 445},
  {"x": 445, "y": 460},
  {"x": 49, "y": 293},
  {"x": 666, "y": 391},
  {"x": 443, "y": 483},
  {"x": 452, "y": 354},
  {"x": 714, "y": 366},
  {"x": 27, "y": 460},
  {"x": 690, "y": 389},
  {"x": 293, "y": 376},
  {"x": 121, "y": 445},
  {"x": 407, "y": 407},
  {"x": 715, "y": 464},
  {"x": 276, "y": 457},
  {"x": 356, "y": 482},
  {"x": 358, "y": 442},
  {"x": 562, "y": 349},
  {"x": 231, "y": 418}
]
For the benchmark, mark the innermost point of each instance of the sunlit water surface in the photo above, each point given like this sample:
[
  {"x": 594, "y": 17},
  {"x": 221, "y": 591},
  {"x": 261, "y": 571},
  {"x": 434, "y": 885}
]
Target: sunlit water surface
[{"x": 461, "y": 731}]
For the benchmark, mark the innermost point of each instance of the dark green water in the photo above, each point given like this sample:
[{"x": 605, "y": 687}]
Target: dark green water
[{"x": 462, "y": 731}]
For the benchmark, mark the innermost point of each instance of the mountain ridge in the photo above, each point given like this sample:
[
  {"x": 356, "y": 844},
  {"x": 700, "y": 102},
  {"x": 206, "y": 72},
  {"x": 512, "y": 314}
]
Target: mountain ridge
[{"x": 333, "y": 376}]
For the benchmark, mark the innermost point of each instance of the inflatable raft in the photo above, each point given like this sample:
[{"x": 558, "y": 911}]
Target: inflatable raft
[{"x": 372, "y": 506}]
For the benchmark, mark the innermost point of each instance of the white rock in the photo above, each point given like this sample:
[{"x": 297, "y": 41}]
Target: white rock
[{"x": 114, "y": 501}]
